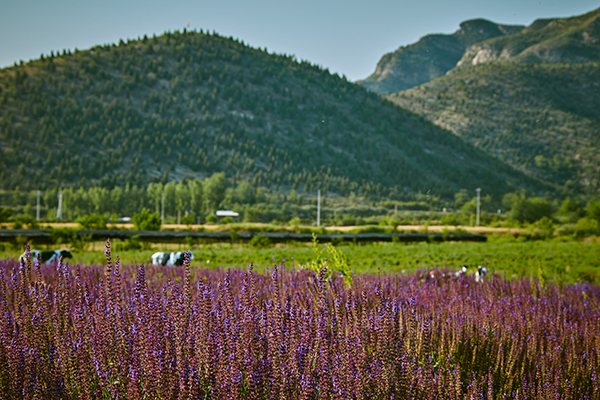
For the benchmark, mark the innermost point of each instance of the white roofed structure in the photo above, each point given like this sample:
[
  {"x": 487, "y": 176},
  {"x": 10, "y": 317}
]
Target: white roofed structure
[{"x": 223, "y": 213}]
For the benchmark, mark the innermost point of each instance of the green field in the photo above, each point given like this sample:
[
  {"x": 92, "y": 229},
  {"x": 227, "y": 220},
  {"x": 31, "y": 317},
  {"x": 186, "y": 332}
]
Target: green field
[{"x": 553, "y": 260}]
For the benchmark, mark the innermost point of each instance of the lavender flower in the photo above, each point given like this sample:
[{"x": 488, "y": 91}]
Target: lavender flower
[{"x": 125, "y": 331}]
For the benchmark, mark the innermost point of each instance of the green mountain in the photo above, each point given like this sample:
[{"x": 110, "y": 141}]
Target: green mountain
[
  {"x": 530, "y": 97},
  {"x": 190, "y": 104},
  {"x": 543, "y": 119},
  {"x": 432, "y": 56},
  {"x": 574, "y": 40}
]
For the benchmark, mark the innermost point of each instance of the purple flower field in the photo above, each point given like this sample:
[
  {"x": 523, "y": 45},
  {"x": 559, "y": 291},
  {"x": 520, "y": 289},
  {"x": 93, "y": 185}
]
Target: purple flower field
[{"x": 144, "y": 332}]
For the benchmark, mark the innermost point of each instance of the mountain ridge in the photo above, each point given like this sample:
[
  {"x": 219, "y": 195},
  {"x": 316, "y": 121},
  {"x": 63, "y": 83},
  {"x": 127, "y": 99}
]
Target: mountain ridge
[
  {"x": 529, "y": 98},
  {"x": 188, "y": 104},
  {"x": 542, "y": 119},
  {"x": 432, "y": 56},
  {"x": 573, "y": 40}
]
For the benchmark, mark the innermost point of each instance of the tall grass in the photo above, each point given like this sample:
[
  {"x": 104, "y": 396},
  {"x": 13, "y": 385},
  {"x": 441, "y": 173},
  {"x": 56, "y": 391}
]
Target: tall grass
[{"x": 135, "y": 332}]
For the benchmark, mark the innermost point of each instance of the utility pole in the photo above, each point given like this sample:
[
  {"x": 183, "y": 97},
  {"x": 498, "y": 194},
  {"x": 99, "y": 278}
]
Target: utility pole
[
  {"x": 59, "y": 208},
  {"x": 162, "y": 208},
  {"x": 37, "y": 207},
  {"x": 318, "y": 208},
  {"x": 478, "y": 190}
]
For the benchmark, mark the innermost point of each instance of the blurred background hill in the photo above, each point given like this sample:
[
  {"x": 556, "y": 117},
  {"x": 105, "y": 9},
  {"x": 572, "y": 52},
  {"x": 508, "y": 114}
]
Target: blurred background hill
[
  {"x": 190, "y": 104},
  {"x": 209, "y": 122},
  {"x": 528, "y": 96}
]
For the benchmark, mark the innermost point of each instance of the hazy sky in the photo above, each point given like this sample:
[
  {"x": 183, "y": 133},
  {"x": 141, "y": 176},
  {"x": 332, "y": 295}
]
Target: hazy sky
[{"x": 348, "y": 37}]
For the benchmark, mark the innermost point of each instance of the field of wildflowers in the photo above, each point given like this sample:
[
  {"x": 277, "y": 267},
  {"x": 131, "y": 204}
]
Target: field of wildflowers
[{"x": 137, "y": 332}]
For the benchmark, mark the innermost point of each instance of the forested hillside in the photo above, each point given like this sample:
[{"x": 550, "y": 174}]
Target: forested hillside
[
  {"x": 543, "y": 119},
  {"x": 529, "y": 97},
  {"x": 191, "y": 104}
]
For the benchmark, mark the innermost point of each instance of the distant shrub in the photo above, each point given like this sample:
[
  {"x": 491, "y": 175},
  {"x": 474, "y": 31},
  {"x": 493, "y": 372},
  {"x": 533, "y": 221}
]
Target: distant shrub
[
  {"x": 70, "y": 236},
  {"x": 566, "y": 230},
  {"x": 337, "y": 241},
  {"x": 92, "y": 221},
  {"x": 570, "y": 210},
  {"x": 260, "y": 241},
  {"x": 211, "y": 219},
  {"x": 524, "y": 209},
  {"x": 587, "y": 227},
  {"x": 294, "y": 222},
  {"x": 451, "y": 220},
  {"x": 187, "y": 219},
  {"x": 63, "y": 235},
  {"x": 5, "y": 214},
  {"x": 81, "y": 242},
  {"x": 508, "y": 238},
  {"x": 251, "y": 214},
  {"x": 133, "y": 243},
  {"x": 593, "y": 210},
  {"x": 225, "y": 221},
  {"x": 146, "y": 221},
  {"x": 348, "y": 220},
  {"x": 415, "y": 206},
  {"x": 545, "y": 226},
  {"x": 25, "y": 220},
  {"x": 235, "y": 236}
]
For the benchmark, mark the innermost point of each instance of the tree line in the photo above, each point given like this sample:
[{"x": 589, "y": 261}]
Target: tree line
[
  {"x": 194, "y": 201},
  {"x": 192, "y": 196}
]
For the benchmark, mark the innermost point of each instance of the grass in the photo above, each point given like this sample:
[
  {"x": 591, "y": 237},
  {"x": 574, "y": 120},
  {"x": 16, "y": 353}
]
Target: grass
[{"x": 551, "y": 260}]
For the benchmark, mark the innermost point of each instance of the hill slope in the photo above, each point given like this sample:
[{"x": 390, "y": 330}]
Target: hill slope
[
  {"x": 532, "y": 99},
  {"x": 543, "y": 119},
  {"x": 432, "y": 56},
  {"x": 190, "y": 104}
]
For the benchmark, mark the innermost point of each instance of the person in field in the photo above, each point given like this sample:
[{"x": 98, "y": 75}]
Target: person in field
[
  {"x": 481, "y": 273},
  {"x": 462, "y": 271},
  {"x": 170, "y": 259},
  {"x": 48, "y": 256}
]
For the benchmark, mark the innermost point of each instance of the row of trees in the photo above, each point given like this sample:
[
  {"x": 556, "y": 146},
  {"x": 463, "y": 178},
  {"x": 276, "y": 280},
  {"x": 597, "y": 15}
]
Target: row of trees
[
  {"x": 186, "y": 201},
  {"x": 194, "y": 197},
  {"x": 569, "y": 216},
  {"x": 194, "y": 200}
]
